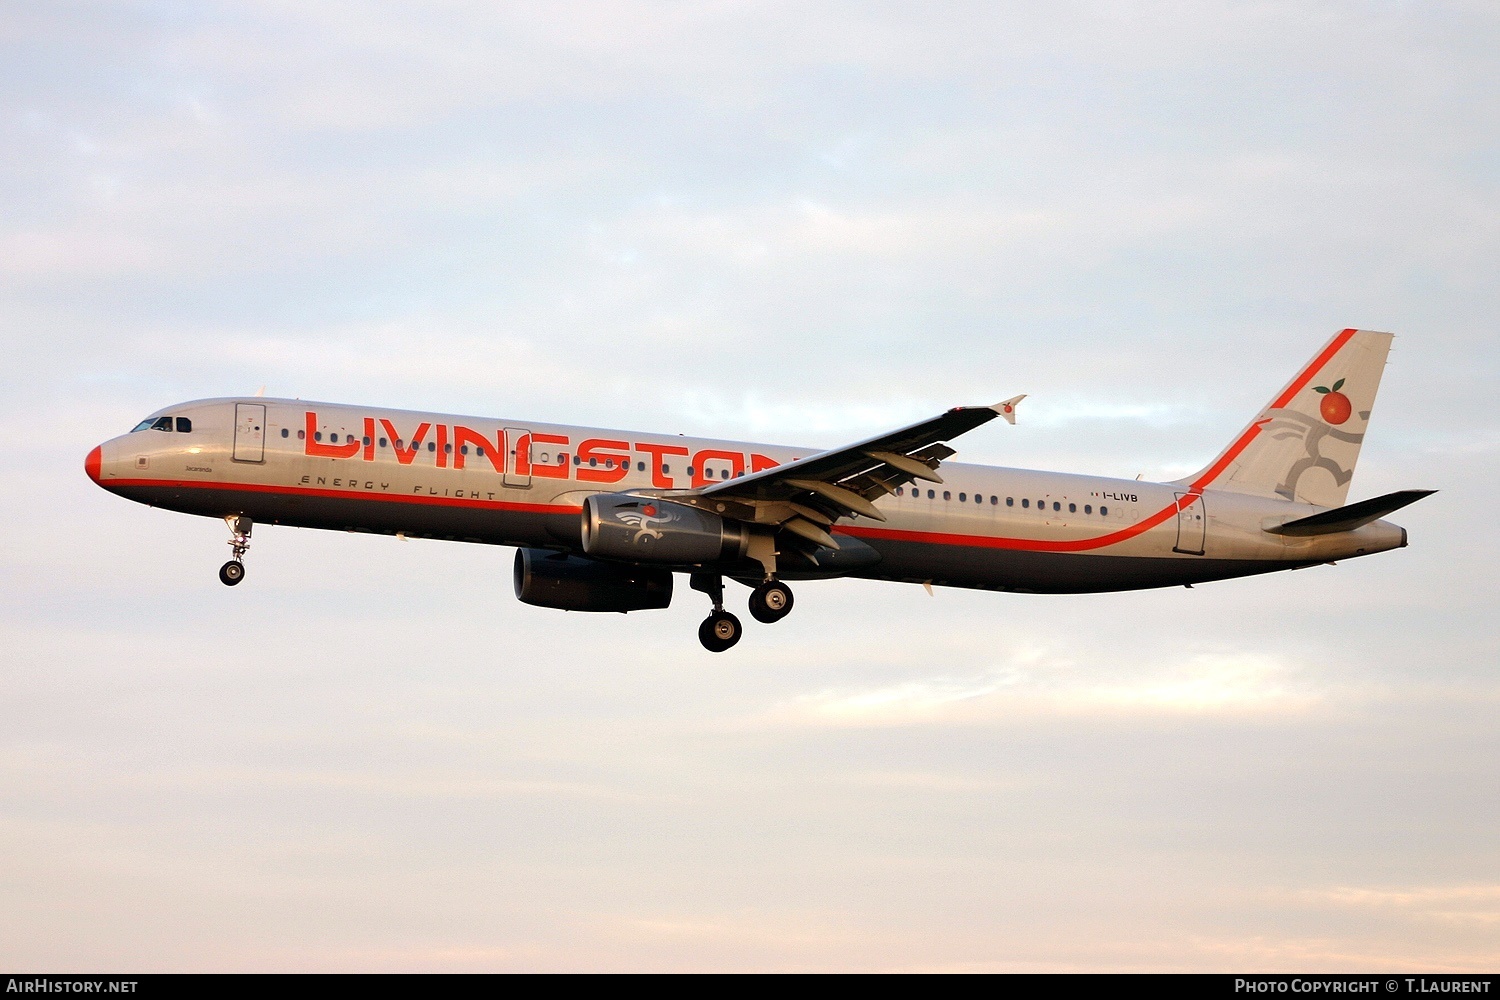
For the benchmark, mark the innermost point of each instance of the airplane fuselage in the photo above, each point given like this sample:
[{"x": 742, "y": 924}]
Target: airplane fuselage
[{"x": 520, "y": 483}]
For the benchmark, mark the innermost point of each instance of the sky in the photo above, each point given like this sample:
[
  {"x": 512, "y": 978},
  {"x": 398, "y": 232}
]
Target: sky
[{"x": 799, "y": 223}]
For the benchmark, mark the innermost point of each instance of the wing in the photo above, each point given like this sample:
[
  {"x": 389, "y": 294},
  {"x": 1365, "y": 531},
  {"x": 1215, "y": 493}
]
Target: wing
[{"x": 806, "y": 496}]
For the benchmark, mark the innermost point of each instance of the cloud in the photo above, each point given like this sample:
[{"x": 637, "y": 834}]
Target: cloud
[
  {"x": 1036, "y": 682},
  {"x": 1461, "y": 904}
]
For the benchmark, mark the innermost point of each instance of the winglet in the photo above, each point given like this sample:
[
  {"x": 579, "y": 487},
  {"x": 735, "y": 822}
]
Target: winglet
[{"x": 1007, "y": 409}]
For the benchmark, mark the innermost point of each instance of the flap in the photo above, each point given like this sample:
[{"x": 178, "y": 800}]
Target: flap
[{"x": 844, "y": 481}]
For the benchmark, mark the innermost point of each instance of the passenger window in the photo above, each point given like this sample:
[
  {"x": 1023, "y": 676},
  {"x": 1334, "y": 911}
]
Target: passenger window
[
  {"x": 577, "y": 460},
  {"x": 1072, "y": 508},
  {"x": 302, "y": 435},
  {"x": 184, "y": 425},
  {"x": 1025, "y": 502},
  {"x": 164, "y": 424},
  {"x": 690, "y": 470},
  {"x": 963, "y": 498},
  {"x": 382, "y": 442},
  {"x": 593, "y": 461},
  {"x": 640, "y": 467},
  {"x": 930, "y": 494},
  {"x": 947, "y": 495},
  {"x": 723, "y": 473},
  {"x": 1010, "y": 501},
  {"x": 432, "y": 446},
  {"x": 994, "y": 501},
  {"x": 1056, "y": 505},
  {"x": 447, "y": 449},
  {"x": 900, "y": 492},
  {"x": 399, "y": 444},
  {"x": 317, "y": 435},
  {"x": 480, "y": 452},
  {"x": 463, "y": 450},
  {"x": 1088, "y": 508},
  {"x": 285, "y": 432},
  {"x": 1103, "y": 511}
]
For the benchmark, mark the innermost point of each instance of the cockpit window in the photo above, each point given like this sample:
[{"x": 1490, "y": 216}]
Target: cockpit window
[{"x": 163, "y": 424}]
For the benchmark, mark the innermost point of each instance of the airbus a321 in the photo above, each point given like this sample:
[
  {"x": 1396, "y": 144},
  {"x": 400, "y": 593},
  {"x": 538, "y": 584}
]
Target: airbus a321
[{"x": 603, "y": 519}]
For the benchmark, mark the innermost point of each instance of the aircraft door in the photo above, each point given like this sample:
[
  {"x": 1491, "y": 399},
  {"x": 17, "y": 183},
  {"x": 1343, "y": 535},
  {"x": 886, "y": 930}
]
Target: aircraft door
[
  {"x": 249, "y": 432},
  {"x": 518, "y": 468},
  {"x": 1192, "y": 524}
]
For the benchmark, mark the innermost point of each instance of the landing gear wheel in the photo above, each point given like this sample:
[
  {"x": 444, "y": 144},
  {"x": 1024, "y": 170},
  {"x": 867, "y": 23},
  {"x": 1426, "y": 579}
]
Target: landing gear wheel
[
  {"x": 719, "y": 631},
  {"x": 771, "y": 602},
  {"x": 233, "y": 571}
]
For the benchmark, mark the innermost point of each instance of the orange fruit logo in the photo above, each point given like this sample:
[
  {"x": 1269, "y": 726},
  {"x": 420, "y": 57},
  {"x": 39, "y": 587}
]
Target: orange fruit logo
[{"x": 1335, "y": 406}]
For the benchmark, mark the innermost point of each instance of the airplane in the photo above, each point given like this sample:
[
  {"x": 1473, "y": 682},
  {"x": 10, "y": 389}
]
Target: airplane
[{"x": 603, "y": 519}]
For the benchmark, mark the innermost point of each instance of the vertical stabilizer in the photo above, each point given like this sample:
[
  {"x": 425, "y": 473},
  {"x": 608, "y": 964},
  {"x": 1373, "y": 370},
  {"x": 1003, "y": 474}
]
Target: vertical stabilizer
[{"x": 1304, "y": 444}]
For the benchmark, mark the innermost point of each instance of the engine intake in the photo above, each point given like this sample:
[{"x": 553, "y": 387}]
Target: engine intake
[
  {"x": 645, "y": 529},
  {"x": 557, "y": 580}
]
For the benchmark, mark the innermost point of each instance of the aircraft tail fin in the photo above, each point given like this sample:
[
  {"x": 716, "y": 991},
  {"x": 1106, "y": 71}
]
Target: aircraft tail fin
[{"x": 1304, "y": 444}]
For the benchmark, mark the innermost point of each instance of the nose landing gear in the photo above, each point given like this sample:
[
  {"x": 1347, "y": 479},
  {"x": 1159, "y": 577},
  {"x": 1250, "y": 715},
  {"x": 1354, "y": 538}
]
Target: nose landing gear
[{"x": 233, "y": 571}]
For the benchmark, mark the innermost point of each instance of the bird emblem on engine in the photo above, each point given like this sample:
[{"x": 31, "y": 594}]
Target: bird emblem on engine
[{"x": 644, "y": 520}]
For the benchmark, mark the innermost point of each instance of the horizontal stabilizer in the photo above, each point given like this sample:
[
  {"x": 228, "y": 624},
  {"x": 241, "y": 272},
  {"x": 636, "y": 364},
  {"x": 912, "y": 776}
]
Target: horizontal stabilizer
[{"x": 1350, "y": 517}]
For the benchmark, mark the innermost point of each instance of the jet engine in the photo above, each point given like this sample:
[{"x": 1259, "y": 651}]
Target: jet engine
[
  {"x": 558, "y": 580},
  {"x": 645, "y": 529}
]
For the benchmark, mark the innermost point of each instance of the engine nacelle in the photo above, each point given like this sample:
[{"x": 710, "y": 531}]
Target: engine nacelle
[
  {"x": 558, "y": 580},
  {"x": 645, "y": 529}
]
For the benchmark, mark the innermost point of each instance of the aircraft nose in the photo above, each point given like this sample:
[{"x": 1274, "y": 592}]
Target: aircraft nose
[{"x": 92, "y": 463}]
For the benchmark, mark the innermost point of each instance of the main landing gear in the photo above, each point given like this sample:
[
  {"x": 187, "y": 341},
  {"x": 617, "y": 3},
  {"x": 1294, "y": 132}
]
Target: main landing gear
[
  {"x": 770, "y": 602},
  {"x": 720, "y": 629},
  {"x": 233, "y": 571}
]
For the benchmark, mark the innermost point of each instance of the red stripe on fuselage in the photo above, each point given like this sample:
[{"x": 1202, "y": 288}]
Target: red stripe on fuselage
[
  {"x": 1024, "y": 544},
  {"x": 931, "y": 537}
]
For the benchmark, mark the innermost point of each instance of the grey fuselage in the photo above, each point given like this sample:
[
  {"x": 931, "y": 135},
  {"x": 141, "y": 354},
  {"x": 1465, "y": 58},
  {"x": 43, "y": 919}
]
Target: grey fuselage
[{"x": 506, "y": 482}]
